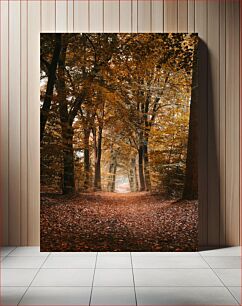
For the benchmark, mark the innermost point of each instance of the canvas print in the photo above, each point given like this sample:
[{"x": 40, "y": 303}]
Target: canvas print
[{"x": 118, "y": 133}]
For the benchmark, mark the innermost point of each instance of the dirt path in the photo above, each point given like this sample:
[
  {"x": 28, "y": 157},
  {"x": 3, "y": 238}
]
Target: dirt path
[{"x": 117, "y": 222}]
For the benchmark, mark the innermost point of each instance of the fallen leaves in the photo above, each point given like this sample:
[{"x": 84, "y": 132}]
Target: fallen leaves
[{"x": 117, "y": 222}]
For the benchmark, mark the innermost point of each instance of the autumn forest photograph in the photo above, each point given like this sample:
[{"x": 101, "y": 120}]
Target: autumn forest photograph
[{"x": 118, "y": 142}]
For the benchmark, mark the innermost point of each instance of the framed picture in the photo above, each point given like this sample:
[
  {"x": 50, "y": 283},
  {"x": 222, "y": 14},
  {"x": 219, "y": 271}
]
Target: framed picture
[{"x": 119, "y": 142}]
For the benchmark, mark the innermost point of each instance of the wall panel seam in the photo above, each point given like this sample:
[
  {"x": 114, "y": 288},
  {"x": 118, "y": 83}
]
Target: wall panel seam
[
  {"x": 207, "y": 106},
  {"x": 55, "y": 15},
  {"x": 225, "y": 221},
  {"x": 9, "y": 227},
  {"x": 27, "y": 50},
  {"x": 240, "y": 119},
  {"x": 20, "y": 101},
  {"x": 219, "y": 158}
]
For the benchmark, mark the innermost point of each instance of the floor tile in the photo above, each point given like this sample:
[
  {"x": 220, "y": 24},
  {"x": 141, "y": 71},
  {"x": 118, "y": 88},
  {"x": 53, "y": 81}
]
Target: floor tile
[
  {"x": 23, "y": 262},
  {"x": 175, "y": 277},
  {"x": 113, "y": 262},
  {"x": 70, "y": 262},
  {"x": 236, "y": 292},
  {"x": 113, "y": 296},
  {"x": 12, "y": 295},
  {"x": 169, "y": 262},
  {"x": 165, "y": 254},
  {"x": 115, "y": 254},
  {"x": 64, "y": 277},
  {"x": 17, "y": 277},
  {"x": 113, "y": 277},
  {"x": 230, "y": 277},
  {"x": 230, "y": 251},
  {"x": 73, "y": 254},
  {"x": 57, "y": 296},
  {"x": 28, "y": 251},
  {"x": 4, "y": 251},
  {"x": 232, "y": 262},
  {"x": 184, "y": 296}
]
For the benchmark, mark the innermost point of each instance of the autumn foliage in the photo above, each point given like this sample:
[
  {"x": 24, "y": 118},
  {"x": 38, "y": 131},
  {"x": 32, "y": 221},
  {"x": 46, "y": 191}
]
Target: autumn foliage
[{"x": 118, "y": 115}]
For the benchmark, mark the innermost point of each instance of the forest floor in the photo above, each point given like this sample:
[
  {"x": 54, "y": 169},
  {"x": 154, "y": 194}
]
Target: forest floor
[{"x": 117, "y": 222}]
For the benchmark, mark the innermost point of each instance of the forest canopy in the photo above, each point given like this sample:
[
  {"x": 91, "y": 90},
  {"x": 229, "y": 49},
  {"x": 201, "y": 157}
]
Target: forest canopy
[{"x": 118, "y": 113}]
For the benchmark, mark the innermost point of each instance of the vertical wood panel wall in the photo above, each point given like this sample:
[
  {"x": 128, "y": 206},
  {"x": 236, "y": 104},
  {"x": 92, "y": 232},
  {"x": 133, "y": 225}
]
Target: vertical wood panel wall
[{"x": 216, "y": 22}]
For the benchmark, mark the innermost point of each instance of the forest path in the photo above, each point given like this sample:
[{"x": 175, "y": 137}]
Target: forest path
[{"x": 103, "y": 221}]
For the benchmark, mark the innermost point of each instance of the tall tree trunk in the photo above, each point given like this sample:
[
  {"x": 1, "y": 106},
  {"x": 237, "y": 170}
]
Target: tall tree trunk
[
  {"x": 132, "y": 176},
  {"x": 114, "y": 176},
  {"x": 98, "y": 155},
  {"x": 112, "y": 171},
  {"x": 86, "y": 158},
  {"x": 68, "y": 157},
  {"x": 141, "y": 168},
  {"x": 190, "y": 191},
  {"x": 66, "y": 126},
  {"x": 136, "y": 177},
  {"x": 51, "y": 68},
  {"x": 146, "y": 166},
  {"x": 145, "y": 143}
]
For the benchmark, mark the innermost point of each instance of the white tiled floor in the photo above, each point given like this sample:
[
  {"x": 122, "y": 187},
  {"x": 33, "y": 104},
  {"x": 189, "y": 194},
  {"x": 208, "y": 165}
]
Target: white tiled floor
[
  {"x": 70, "y": 262},
  {"x": 22, "y": 262},
  {"x": 113, "y": 296},
  {"x": 64, "y": 278},
  {"x": 113, "y": 262},
  {"x": 57, "y": 296},
  {"x": 231, "y": 262},
  {"x": 186, "y": 296},
  {"x": 30, "y": 277}
]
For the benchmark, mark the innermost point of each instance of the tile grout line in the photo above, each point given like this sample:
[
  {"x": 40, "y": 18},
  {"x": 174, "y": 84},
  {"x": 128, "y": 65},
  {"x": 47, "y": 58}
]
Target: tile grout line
[
  {"x": 14, "y": 248},
  {"x": 239, "y": 302},
  {"x": 122, "y": 269},
  {"x": 220, "y": 280},
  {"x": 135, "y": 295},
  {"x": 105, "y": 286},
  {"x": 4, "y": 257},
  {"x": 118, "y": 256},
  {"x": 90, "y": 299},
  {"x": 33, "y": 278}
]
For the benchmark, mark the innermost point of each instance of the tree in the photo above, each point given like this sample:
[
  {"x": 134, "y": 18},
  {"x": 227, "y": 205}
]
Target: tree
[
  {"x": 66, "y": 124},
  {"x": 128, "y": 92},
  {"x": 50, "y": 70},
  {"x": 190, "y": 191}
]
